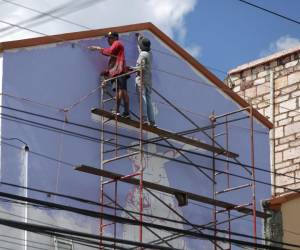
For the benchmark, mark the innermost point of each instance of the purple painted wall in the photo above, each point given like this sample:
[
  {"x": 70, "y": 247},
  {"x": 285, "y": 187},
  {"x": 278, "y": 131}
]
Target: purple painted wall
[{"x": 56, "y": 76}]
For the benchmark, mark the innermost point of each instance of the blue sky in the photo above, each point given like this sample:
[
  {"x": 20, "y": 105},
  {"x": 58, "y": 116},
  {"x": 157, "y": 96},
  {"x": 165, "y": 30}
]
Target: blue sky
[{"x": 231, "y": 33}]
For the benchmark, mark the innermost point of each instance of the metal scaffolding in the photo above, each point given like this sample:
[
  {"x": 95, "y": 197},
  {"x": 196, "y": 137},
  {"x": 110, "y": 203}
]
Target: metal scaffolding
[
  {"x": 226, "y": 117},
  {"x": 108, "y": 177}
]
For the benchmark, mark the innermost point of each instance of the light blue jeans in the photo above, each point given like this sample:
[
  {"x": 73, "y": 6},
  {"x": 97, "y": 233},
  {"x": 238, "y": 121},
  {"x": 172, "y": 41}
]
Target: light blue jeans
[{"x": 148, "y": 114}]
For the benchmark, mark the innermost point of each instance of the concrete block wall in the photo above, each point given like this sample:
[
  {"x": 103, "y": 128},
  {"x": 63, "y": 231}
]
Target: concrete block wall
[{"x": 253, "y": 84}]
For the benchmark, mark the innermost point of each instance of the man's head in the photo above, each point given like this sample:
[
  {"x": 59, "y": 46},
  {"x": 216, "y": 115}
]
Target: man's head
[
  {"x": 111, "y": 37},
  {"x": 144, "y": 43}
]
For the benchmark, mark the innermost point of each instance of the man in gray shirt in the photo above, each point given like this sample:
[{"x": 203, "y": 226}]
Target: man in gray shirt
[{"x": 145, "y": 60}]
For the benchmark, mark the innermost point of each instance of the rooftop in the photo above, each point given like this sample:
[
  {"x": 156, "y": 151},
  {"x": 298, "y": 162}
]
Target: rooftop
[{"x": 264, "y": 60}]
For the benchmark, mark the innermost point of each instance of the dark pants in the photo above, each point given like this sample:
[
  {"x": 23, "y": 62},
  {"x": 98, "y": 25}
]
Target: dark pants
[{"x": 121, "y": 83}]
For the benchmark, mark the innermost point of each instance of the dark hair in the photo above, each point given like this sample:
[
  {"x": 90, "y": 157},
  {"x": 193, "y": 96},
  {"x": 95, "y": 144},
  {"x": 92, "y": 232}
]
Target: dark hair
[
  {"x": 144, "y": 44},
  {"x": 112, "y": 35}
]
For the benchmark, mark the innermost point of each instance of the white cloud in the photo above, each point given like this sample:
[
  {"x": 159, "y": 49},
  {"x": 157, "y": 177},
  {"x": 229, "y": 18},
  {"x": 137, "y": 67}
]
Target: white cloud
[
  {"x": 41, "y": 217},
  {"x": 168, "y": 15},
  {"x": 282, "y": 43},
  {"x": 194, "y": 50}
]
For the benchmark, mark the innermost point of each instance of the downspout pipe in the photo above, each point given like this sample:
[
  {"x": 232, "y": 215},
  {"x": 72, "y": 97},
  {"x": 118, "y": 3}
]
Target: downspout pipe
[
  {"x": 272, "y": 134},
  {"x": 25, "y": 151}
]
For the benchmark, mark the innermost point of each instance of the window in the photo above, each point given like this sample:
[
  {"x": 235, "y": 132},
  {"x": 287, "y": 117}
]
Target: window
[{"x": 62, "y": 244}]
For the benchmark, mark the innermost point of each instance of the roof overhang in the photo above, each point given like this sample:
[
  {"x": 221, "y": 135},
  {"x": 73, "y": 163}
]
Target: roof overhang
[
  {"x": 133, "y": 28},
  {"x": 276, "y": 202},
  {"x": 264, "y": 60}
]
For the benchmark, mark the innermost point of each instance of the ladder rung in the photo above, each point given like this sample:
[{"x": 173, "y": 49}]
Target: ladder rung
[
  {"x": 233, "y": 188},
  {"x": 108, "y": 203},
  {"x": 109, "y": 224},
  {"x": 235, "y": 207},
  {"x": 107, "y": 120},
  {"x": 217, "y": 135},
  {"x": 243, "y": 205},
  {"x": 119, "y": 157},
  {"x": 218, "y": 173},
  {"x": 109, "y": 140},
  {"x": 108, "y": 100},
  {"x": 130, "y": 176},
  {"x": 108, "y": 181}
]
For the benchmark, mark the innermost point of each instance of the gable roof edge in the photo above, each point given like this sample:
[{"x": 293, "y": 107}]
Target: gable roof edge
[
  {"x": 131, "y": 28},
  {"x": 210, "y": 76}
]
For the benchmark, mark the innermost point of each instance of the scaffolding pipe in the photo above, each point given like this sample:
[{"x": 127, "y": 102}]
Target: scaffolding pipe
[
  {"x": 228, "y": 178},
  {"x": 231, "y": 113},
  {"x": 212, "y": 119},
  {"x": 141, "y": 155},
  {"x": 101, "y": 165},
  {"x": 253, "y": 174},
  {"x": 119, "y": 157},
  {"x": 116, "y": 117}
]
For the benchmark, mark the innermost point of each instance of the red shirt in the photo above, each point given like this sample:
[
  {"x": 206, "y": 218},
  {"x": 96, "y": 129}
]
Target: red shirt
[{"x": 116, "y": 64}]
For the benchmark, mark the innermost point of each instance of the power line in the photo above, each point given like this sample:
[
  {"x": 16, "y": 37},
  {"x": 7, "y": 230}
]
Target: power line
[
  {"x": 60, "y": 10},
  {"x": 46, "y": 14},
  {"x": 190, "y": 79},
  {"x": 152, "y": 141},
  {"x": 225, "y": 88},
  {"x": 51, "y": 128},
  {"x": 119, "y": 219},
  {"x": 89, "y": 28},
  {"x": 85, "y": 201},
  {"x": 20, "y": 27},
  {"x": 78, "y": 235},
  {"x": 129, "y": 137},
  {"x": 270, "y": 11},
  {"x": 174, "y": 221},
  {"x": 202, "y": 116},
  {"x": 36, "y": 242},
  {"x": 160, "y": 70}
]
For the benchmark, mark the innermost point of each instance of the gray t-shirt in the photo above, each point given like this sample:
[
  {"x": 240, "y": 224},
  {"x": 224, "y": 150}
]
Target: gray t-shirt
[{"x": 145, "y": 59}]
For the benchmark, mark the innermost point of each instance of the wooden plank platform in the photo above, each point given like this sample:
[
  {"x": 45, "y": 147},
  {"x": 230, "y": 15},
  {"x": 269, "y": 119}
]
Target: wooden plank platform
[
  {"x": 164, "y": 133},
  {"x": 169, "y": 190}
]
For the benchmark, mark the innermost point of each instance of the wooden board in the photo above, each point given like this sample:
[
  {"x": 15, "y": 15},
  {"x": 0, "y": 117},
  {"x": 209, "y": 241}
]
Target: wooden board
[
  {"x": 169, "y": 190},
  {"x": 164, "y": 133}
]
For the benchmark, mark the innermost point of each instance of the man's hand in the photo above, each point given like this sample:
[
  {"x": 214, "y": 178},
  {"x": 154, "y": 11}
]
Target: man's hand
[{"x": 93, "y": 48}]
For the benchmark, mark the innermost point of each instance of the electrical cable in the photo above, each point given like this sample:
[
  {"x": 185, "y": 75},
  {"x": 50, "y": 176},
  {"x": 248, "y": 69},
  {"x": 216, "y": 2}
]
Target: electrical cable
[
  {"x": 64, "y": 9},
  {"x": 225, "y": 89},
  {"x": 125, "y": 220},
  {"x": 51, "y": 128},
  {"x": 270, "y": 11},
  {"x": 56, "y": 231},
  {"x": 134, "y": 138},
  {"x": 46, "y": 14},
  {"x": 85, "y": 201}
]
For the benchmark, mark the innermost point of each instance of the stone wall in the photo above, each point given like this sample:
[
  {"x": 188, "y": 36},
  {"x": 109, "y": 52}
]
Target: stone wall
[{"x": 253, "y": 84}]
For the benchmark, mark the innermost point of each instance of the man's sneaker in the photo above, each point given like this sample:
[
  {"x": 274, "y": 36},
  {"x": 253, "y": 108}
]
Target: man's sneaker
[
  {"x": 114, "y": 112},
  {"x": 153, "y": 124},
  {"x": 126, "y": 115},
  {"x": 146, "y": 123}
]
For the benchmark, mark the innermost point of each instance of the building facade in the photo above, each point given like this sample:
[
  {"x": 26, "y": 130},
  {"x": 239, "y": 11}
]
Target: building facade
[
  {"x": 49, "y": 86},
  {"x": 272, "y": 86}
]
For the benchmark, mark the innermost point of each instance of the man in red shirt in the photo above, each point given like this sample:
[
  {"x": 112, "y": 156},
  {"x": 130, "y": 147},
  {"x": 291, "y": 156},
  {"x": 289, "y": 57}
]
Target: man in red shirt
[{"x": 116, "y": 67}]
